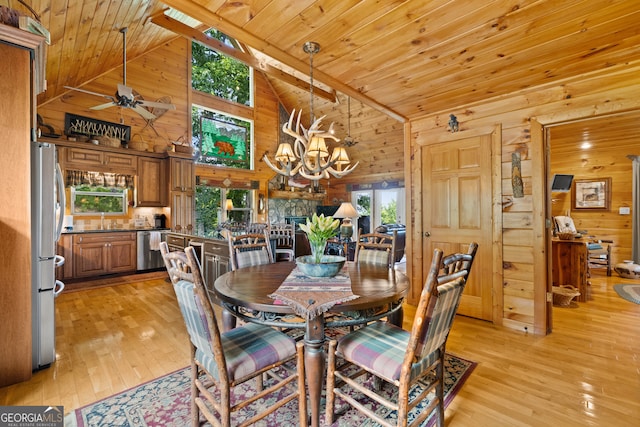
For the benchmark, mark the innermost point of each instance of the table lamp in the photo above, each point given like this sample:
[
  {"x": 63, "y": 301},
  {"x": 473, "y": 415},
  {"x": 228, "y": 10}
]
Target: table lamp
[{"x": 346, "y": 211}]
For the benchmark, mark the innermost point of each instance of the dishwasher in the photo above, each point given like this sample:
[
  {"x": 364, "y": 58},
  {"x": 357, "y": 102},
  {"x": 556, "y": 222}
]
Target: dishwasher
[{"x": 148, "y": 259}]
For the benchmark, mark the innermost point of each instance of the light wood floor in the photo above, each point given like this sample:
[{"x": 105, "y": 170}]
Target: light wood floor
[{"x": 586, "y": 373}]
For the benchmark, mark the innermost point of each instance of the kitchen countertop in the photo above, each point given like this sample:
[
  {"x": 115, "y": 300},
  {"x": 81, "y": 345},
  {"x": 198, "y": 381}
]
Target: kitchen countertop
[
  {"x": 114, "y": 230},
  {"x": 198, "y": 235}
]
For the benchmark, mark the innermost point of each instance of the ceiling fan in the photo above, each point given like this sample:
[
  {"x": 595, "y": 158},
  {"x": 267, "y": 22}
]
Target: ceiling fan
[{"x": 125, "y": 96}]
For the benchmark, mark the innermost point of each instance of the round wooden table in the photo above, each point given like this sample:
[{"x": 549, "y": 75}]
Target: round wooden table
[{"x": 245, "y": 293}]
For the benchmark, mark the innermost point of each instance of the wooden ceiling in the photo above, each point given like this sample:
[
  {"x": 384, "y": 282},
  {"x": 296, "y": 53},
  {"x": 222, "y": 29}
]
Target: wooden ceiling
[{"x": 403, "y": 58}]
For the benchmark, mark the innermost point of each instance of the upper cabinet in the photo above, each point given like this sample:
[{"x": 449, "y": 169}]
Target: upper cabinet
[
  {"x": 101, "y": 161},
  {"x": 182, "y": 176},
  {"x": 151, "y": 186}
]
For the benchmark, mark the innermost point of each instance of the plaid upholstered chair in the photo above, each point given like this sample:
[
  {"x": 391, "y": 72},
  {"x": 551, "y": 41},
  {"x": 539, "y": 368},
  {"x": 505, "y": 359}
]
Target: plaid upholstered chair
[
  {"x": 247, "y": 250},
  {"x": 402, "y": 359},
  {"x": 221, "y": 361},
  {"x": 458, "y": 264},
  {"x": 376, "y": 248}
]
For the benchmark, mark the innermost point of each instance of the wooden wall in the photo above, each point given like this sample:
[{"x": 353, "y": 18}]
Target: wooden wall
[{"x": 522, "y": 224}]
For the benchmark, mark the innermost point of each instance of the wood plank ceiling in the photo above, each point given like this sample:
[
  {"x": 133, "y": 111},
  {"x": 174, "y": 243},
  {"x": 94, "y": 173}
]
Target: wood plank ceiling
[{"x": 404, "y": 58}]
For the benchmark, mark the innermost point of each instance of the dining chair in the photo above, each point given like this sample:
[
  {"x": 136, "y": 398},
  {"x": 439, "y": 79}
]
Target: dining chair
[
  {"x": 247, "y": 250},
  {"x": 285, "y": 240},
  {"x": 403, "y": 359},
  {"x": 376, "y": 248},
  {"x": 458, "y": 264},
  {"x": 226, "y": 360}
]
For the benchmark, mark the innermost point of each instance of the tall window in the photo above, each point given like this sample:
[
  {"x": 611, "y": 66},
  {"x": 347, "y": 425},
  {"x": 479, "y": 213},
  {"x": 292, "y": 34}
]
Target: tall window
[{"x": 218, "y": 74}]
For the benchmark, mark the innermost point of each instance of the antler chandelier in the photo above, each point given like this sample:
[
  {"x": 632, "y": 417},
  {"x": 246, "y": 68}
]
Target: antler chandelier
[{"x": 309, "y": 155}]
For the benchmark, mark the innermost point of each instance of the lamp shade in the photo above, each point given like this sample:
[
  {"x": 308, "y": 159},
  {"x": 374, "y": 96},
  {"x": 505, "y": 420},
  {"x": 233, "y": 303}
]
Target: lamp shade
[
  {"x": 317, "y": 146},
  {"x": 285, "y": 153},
  {"x": 346, "y": 210},
  {"x": 340, "y": 156},
  {"x": 228, "y": 205}
]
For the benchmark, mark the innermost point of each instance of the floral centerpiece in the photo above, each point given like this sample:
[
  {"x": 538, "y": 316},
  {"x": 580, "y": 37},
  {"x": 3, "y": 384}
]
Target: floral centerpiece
[{"x": 319, "y": 230}]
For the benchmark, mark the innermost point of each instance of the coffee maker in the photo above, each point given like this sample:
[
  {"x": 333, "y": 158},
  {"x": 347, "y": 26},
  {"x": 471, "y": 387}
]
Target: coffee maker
[{"x": 159, "y": 221}]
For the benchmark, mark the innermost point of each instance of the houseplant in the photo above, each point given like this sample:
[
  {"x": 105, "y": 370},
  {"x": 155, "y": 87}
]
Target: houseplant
[{"x": 318, "y": 231}]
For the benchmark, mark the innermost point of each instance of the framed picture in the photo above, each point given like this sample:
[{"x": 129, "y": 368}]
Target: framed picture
[
  {"x": 223, "y": 140},
  {"x": 591, "y": 193}
]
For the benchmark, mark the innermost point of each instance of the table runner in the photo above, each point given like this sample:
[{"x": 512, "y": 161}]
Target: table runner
[{"x": 312, "y": 296}]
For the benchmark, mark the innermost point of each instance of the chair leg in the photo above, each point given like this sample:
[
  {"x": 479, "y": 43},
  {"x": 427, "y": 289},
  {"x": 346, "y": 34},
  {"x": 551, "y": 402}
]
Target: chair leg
[
  {"x": 440, "y": 391},
  {"x": 195, "y": 411},
  {"x": 331, "y": 369}
]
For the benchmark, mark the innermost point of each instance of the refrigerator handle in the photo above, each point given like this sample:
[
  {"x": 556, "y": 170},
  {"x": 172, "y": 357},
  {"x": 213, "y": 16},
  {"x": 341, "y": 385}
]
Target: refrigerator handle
[
  {"x": 59, "y": 260},
  {"x": 58, "y": 289},
  {"x": 63, "y": 201}
]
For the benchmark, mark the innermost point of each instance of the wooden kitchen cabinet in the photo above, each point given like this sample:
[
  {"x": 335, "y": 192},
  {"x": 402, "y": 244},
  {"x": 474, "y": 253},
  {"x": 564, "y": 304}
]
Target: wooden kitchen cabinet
[
  {"x": 182, "y": 181},
  {"x": 65, "y": 249},
  {"x": 151, "y": 186},
  {"x": 182, "y": 206},
  {"x": 182, "y": 175},
  {"x": 96, "y": 254},
  {"x": 215, "y": 262},
  {"x": 102, "y": 161}
]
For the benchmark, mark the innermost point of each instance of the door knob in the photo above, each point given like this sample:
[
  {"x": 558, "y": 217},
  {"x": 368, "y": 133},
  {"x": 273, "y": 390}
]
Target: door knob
[{"x": 427, "y": 234}]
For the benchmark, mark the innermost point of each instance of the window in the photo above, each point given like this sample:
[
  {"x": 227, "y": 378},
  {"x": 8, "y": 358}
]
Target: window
[
  {"x": 98, "y": 192},
  {"x": 211, "y": 210},
  {"x": 221, "y": 139},
  {"x": 379, "y": 206},
  {"x": 218, "y": 74}
]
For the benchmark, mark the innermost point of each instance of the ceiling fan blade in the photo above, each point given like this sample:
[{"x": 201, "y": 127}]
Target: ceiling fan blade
[
  {"x": 161, "y": 105},
  {"x": 144, "y": 113},
  {"x": 103, "y": 106},
  {"x": 91, "y": 93},
  {"x": 125, "y": 91}
]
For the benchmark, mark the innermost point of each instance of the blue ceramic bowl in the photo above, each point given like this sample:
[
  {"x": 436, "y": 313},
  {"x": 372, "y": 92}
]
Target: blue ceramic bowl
[{"x": 330, "y": 265}]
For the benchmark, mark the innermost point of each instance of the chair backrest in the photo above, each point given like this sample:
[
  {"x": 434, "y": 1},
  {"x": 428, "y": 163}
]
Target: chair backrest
[
  {"x": 247, "y": 250},
  {"x": 176, "y": 264},
  {"x": 564, "y": 224},
  {"x": 199, "y": 316},
  {"x": 284, "y": 235},
  {"x": 458, "y": 264},
  {"x": 435, "y": 313},
  {"x": 256, "y": 228},
  {"x": 376, "y": 248}
]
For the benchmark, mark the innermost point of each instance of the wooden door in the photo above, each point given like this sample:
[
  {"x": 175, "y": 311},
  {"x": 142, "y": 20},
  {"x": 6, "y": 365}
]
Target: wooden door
[{"x": 456, "y": 199}]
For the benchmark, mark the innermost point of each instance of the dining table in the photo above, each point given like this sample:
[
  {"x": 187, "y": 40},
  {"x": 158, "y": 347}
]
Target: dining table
[{"x": 251, "y": 294}]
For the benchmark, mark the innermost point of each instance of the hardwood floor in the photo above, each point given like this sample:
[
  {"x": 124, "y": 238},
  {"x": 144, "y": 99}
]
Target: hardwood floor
[{"x": 586, "y": 373}]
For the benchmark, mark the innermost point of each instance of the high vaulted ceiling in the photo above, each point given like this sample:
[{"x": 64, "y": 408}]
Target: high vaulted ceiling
[{"x": 404, "y": 58}]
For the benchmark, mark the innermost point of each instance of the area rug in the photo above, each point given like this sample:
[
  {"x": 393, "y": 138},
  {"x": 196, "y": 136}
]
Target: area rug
[
  {"x": 629, "y": 292},
  {"x": 165, "y": 402}
]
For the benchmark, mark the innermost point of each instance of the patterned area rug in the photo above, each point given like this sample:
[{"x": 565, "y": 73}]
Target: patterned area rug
[
  {"x": 164, "y": 402},
  {"x": 629, "y": 292}
]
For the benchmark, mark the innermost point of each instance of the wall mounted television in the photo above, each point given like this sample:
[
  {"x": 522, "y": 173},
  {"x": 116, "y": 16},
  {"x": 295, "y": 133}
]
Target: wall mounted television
[{"x": 561, "y": 183}]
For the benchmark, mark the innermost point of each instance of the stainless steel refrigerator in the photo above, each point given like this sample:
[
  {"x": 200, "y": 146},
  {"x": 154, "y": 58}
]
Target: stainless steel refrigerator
[{"x": 47, "y": 210}]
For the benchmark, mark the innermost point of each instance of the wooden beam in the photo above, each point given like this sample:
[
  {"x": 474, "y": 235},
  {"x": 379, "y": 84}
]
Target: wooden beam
[
  {"x": 216, "y": 21},
  {"x": 179, "y": 28}
]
